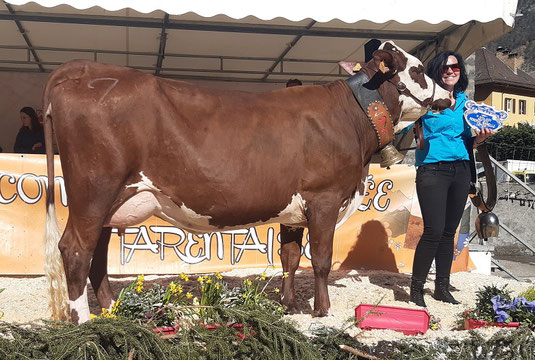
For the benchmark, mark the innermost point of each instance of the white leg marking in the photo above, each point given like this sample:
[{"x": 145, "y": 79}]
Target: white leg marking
[{"x": 81, "y": 305}]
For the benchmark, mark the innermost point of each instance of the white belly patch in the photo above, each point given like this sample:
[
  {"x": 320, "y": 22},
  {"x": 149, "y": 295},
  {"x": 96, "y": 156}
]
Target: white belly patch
[{"x": 151, "y": 201}]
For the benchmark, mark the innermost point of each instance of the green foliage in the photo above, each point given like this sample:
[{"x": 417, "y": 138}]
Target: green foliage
[
  {"x": 504, "y": 345},
  {"x": 266, "y": 336},
  {"x": 529, "y": 294},
  {"x": 511, "y": 142},
  {"x": 169, "y": 306},
  {"x": 484, "y": 309},
  {"x": 1, "y": 312},
  {"x": 101, "y": 339}
]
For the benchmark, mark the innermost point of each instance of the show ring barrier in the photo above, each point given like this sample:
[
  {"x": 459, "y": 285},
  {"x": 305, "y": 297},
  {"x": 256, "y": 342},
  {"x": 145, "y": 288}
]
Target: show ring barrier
[{"x": 381, "y": 235}]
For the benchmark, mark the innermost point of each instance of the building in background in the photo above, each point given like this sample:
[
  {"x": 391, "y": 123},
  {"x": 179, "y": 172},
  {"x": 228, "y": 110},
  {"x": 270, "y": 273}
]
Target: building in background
[{"x": 500, "y": 82}]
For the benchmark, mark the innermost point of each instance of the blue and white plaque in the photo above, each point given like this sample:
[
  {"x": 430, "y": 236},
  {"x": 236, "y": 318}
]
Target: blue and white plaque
[{"x": 480, "y": 116}]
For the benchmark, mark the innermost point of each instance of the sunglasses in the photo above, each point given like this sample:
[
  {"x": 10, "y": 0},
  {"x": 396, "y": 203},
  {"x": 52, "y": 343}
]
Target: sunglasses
[{"x": 453, "y": 67}]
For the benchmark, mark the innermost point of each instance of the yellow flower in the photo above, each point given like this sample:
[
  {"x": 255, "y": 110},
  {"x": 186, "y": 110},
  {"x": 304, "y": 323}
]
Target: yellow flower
[
  {"x": 107, "y": 314},
  {"x": 285, "y": 274},
  {"x": 200, "y": 279},
  {"x": 248, "y": 282},
  {"x": 92, "y": 316},
  {"x": 218, "y": 275},
  {"x": 217, "y": 286},
  {"x": 139, "y": 283},
  {"x": 279, "y": 308},
  {"x": 244, "y": 296},
  {"x": 208, "y": 281},
  {"x": 276, "y": 290},
  {"x": 184, "y": 277},
  {"x": 202, "y": 288},
  {"x": 115, "y": 306},
  {"x": 179, "y": 289},
  {"x": 263, "y": 276},
  {"x": 189, "y": 295},
  {"x": 172, "y": 287}
]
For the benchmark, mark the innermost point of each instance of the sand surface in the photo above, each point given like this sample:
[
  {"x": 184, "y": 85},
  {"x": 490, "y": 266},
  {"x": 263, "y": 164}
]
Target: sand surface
[{"x": 25, "y": 300}]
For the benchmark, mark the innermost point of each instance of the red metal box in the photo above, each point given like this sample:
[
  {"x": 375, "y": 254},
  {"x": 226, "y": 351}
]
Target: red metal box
[{"x": 407, "y": 321}]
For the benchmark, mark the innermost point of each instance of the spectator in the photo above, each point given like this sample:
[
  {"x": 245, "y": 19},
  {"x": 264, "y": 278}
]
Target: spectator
[
  {"x": 30, "y": 139},
  {"x": 293, "y": 82}
]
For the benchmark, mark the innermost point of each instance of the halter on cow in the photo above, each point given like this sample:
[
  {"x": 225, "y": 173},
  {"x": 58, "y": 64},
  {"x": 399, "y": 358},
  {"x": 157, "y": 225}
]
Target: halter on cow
[{"x": 133, "y": 145}]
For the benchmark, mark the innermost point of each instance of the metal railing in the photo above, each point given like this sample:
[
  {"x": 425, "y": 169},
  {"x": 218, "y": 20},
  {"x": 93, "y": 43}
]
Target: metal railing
[{"x": 512, "y": 233}]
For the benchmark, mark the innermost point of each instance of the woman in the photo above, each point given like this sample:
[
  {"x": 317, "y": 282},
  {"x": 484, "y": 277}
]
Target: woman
[
  {"x": 442, "y": 178},
  {"x": 30, "y": 139}
]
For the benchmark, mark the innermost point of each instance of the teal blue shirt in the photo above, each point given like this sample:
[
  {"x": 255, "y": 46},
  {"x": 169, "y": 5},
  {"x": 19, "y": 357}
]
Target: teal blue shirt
[{"x": 447, "y": 136}]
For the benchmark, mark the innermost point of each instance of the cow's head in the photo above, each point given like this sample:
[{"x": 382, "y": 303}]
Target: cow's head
[{"x": 418, "y": 93}]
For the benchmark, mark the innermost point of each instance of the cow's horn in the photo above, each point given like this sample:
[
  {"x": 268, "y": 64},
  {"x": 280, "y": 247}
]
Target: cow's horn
[{"x": 390, "y": 156}]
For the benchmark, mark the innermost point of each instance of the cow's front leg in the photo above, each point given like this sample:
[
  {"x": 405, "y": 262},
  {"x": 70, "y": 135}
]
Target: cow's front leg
[
  {"x": 291, "y": 243},
  {"x": 321, "y": 224}
]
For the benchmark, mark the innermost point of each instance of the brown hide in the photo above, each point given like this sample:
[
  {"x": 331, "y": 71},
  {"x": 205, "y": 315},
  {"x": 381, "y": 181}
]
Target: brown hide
[{"x": 237, "y": 157}]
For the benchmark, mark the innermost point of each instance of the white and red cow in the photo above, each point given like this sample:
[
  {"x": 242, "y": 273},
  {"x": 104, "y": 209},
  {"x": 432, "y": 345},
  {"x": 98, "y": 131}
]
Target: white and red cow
[{"x": 133, "y": 145}]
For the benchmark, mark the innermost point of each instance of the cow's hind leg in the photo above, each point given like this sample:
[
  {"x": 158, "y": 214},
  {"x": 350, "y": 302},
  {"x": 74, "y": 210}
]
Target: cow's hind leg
[
  {"x": 321, "y": 225},
  {"x": 98, "y": 273},
  {"x": 77, "y": 246},
  {"x": 291, "y": 244}
]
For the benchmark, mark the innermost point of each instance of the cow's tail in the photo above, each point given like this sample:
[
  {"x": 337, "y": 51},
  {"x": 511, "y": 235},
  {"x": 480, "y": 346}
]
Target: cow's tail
[{"x": 54, "y": 270}]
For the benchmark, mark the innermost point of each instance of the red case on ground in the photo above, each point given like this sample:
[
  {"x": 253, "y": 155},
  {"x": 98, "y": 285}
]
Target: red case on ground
[
  {"x": 407, "y": 321},
  {"x": 470, "y": 324}
]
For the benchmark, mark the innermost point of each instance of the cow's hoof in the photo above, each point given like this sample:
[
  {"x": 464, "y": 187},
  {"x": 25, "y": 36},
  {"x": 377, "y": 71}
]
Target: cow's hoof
[
  {"x": 292, "y": 309},
  {"x": 320, "y": 313}
]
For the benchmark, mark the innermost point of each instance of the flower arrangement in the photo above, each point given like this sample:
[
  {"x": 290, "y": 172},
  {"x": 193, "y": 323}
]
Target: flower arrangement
[
  {"x": 495, "y": 306},
  {"x": 160, "y": 306},
  {"x": 434, "y": 323}
]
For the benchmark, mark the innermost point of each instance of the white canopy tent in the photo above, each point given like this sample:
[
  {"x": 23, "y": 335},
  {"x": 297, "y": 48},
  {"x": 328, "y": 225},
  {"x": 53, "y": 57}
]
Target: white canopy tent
[{"x": 235, "y": 40}]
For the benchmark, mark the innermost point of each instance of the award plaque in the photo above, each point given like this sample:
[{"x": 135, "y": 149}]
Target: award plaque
[{"x": 480, "y": 116}]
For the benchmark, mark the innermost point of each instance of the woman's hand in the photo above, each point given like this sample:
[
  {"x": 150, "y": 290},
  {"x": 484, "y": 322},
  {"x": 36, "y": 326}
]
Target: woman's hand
[
  {"x": 481, "y": 136},
  {"x": 36, "y": 145}
]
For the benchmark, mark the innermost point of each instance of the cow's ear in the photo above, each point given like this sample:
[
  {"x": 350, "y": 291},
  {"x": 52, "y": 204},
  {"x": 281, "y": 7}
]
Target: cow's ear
[{"x": 384, "y": 61}]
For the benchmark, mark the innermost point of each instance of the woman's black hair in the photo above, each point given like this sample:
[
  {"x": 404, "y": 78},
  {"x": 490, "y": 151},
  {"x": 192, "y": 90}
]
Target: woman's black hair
[
  {"x": 36, "y": 125},
  {"x": 435, "y": 69}
]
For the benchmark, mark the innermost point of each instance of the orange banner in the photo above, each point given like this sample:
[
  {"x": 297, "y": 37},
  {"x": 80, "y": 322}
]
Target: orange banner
[{"x": 382, "y": 234}]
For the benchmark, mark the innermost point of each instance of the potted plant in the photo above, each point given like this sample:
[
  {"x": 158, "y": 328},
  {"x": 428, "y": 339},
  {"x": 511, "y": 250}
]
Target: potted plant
[{"x": 496, "y": 307}]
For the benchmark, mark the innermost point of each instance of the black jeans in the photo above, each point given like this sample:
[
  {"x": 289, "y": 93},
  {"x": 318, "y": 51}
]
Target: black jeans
[{"x": 442, "y": 193}]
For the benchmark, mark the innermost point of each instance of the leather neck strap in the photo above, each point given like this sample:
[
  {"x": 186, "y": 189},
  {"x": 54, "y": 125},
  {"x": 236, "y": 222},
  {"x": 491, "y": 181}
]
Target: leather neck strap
[{"x": 376, "y": 110}]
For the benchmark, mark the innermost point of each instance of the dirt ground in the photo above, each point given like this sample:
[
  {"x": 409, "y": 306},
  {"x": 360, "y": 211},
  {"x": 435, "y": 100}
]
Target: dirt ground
[{"x": 24, "y": 299}]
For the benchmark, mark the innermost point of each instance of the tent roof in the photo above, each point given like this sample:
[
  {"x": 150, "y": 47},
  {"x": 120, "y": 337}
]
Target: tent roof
[{"x": 237, "y": 40}]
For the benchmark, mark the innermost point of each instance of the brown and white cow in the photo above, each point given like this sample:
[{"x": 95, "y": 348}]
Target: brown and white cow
[{"x": 133, "y": 145}]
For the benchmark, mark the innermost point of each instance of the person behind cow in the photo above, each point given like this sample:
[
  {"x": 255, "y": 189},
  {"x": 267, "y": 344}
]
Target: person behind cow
[
  {"x": 293, "y": 82},
  {"x": 442, "y": 178},
  {"x": 30, "y": 138}
]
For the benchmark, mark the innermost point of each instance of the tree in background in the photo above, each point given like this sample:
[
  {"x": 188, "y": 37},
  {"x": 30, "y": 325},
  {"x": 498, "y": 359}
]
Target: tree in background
[{"x": 511, "y": 142}]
